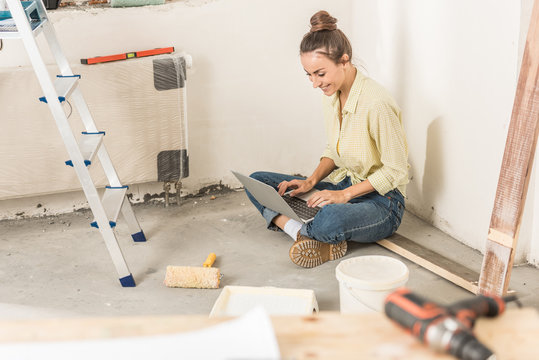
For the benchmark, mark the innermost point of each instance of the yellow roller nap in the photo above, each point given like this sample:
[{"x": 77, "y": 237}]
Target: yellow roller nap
[{"x": 205, "y": 277}]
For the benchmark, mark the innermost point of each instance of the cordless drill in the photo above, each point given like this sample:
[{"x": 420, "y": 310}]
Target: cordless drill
[{"x": 446, "y": 329}]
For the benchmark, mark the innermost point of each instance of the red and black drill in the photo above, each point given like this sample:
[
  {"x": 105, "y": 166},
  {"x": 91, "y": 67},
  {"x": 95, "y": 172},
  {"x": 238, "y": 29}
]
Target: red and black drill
[{"x": 447, "y": 329}]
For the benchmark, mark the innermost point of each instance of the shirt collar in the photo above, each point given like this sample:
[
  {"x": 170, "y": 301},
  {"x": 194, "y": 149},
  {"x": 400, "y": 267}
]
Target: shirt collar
[
  {"x": 355, "y": 91},
  {"x": 353, "y": 97}
]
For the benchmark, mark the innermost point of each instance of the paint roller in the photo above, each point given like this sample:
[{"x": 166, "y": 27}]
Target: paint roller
[{"x": 205, "y": 277}]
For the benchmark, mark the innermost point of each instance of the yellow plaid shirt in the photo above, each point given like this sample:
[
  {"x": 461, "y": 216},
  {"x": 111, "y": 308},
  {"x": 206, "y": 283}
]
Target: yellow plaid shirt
[{"x": 370, "y": 143}]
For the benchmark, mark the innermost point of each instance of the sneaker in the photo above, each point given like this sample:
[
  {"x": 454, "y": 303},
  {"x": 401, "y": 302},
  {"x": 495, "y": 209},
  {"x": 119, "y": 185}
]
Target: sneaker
[{"x": 308, "y": 253}]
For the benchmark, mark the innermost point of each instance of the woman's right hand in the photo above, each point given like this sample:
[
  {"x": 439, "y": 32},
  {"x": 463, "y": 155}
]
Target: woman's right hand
[{"x": 299, "y": 186}]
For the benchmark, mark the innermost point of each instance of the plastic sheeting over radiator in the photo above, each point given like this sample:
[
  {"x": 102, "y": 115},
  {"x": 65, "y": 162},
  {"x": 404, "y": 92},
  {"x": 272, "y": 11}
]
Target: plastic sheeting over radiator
[{"x": 139, "y": 103}]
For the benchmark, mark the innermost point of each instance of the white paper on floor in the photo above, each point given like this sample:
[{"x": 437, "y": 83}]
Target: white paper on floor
[{"x": 250, "y": 336}]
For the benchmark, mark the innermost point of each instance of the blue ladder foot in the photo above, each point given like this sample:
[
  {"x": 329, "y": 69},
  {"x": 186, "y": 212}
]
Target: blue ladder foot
[
  {"x": 70, "y": 163},
  {"x": 94, "y": 224},
  {"x": 128, "y": 281},
  {"x": 139, "y": 237}
]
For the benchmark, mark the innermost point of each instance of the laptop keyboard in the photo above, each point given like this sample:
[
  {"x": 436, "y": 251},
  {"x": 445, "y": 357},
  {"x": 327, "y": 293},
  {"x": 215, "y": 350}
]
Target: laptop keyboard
[{"x": 300, "y": 207}]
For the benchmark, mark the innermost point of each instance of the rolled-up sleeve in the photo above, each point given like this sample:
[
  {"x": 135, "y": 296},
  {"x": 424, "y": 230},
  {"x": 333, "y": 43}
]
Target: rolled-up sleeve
[
  {"x": 387, "y": 132},
  {"x": 328, "y": 153}
]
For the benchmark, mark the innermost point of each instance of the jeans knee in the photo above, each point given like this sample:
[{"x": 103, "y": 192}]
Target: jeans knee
[
  {"x": 330, "y": 231},
  {"x": 257, "y": 175},
  {"x": 333, "y": 229}
]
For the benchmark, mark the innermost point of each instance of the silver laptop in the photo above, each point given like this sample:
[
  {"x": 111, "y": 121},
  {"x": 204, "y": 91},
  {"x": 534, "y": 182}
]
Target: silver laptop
[{"x": 294, "y": 207}]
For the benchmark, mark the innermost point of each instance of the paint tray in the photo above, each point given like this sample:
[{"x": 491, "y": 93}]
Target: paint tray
[{"x": 237, "y": 300}]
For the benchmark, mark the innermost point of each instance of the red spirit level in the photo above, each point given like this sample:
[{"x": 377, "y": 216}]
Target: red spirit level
[{"x": 124, "y": 56}]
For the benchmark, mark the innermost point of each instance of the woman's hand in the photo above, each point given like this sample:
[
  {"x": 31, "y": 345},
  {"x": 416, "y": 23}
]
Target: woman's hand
[
  {"x": 324, "y": 197},
  {"x": 299, "y": 186}
]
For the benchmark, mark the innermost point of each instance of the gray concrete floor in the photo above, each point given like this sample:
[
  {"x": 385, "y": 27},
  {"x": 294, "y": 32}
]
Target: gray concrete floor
[{"x": 59, "y": 266}]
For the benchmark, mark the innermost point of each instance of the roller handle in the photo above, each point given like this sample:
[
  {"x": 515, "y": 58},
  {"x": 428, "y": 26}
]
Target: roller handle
[{"x": 209, "y": 260}]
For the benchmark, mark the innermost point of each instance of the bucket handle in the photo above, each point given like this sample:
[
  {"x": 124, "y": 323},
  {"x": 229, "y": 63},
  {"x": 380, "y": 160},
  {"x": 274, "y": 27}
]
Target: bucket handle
[{"x": 351, "y": 291}]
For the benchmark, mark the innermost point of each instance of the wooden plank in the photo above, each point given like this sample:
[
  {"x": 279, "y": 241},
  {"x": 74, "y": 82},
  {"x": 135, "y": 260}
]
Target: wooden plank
[
  {"x": 432, "y": 261},
  {"x": 328, "y": 335},
  {"x": 515, "y": 172}
]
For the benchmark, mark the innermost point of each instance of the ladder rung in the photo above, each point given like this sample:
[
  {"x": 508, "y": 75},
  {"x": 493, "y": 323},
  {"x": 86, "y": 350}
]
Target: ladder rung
[
  {"x": 89, "y": 144},
  {"x": 112, "y": 201},
  {"x": 64, "y": 85}
]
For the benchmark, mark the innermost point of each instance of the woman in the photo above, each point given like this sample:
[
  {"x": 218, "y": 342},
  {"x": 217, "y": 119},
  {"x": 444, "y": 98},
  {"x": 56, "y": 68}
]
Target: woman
[{"x": 365, "y": 158}]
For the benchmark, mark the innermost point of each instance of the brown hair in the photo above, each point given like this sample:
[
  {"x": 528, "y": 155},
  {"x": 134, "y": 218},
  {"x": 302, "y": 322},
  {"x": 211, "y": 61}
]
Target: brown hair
[{"x": 326, "y": 38}]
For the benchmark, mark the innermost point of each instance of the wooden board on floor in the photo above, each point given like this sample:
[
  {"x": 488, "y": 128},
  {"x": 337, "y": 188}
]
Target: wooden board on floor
[
  {"x": 430, "y": 260},
  {"x": 515, "y": 172},
  {"x": 325, "y": 336}
]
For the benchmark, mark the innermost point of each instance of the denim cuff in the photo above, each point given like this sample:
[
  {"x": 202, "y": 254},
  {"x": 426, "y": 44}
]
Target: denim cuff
[
  {"x": 269, "y": 215},
  {"x": 303, "y": 231}
]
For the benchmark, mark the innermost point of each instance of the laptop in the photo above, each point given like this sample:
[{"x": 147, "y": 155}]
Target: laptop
[{"x": 295, "y": 207}]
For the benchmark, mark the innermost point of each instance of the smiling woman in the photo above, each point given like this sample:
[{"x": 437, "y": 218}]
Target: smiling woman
[{"x": 365, "y": 160}]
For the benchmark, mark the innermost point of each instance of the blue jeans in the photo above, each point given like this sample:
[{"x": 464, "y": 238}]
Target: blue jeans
[{"x": 364, "y": 219}]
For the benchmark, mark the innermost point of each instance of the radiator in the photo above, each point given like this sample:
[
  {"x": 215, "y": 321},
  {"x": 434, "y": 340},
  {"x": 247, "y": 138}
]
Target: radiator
[{"x": 140, "y": 104}]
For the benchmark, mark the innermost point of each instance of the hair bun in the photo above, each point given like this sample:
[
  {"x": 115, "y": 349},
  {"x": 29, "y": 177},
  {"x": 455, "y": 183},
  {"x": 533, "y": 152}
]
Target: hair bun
[{"x": 323, "y": 21}]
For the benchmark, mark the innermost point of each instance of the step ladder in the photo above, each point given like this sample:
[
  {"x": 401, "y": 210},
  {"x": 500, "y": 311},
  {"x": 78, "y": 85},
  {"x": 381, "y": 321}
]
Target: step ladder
[{"x": 25, "y": 20}]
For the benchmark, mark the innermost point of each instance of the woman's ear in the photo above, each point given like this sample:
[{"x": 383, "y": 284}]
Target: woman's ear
[{"x": 345, "y": 58}]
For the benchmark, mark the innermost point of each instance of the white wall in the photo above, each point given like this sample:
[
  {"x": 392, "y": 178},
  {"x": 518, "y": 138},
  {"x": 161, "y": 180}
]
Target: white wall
[
  {"x": 248, "y": 96},
  {"x": 453, "y": 67}
]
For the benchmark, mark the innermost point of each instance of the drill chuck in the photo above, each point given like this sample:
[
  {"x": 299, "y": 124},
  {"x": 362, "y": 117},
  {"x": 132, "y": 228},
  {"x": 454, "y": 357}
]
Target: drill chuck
[
  {"x": 465, "y": 346},
  {"x": 445, "y": 329},
  {"x": 450, "y": 336}
]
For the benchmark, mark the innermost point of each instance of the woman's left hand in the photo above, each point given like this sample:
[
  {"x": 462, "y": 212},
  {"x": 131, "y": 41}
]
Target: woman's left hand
[{"x": 324, "y": 197}]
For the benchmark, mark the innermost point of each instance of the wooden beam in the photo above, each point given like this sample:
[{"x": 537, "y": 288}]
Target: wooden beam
[
  {"x": 515, "y": 172},
  {"x": 327, "y": 335},
  {"x": 432, "y": 261}
]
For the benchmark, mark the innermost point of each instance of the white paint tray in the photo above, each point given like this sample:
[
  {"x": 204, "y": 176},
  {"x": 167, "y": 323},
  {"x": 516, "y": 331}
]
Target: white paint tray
[{"x": 237, "y": 300}]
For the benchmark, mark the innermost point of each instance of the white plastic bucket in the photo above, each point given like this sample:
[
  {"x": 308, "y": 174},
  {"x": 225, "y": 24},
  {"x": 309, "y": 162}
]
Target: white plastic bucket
[{"x": 365, "y": 282}]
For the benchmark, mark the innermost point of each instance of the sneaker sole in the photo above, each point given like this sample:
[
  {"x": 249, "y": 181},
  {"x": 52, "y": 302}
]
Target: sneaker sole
[{"x": 310, "y": 253}]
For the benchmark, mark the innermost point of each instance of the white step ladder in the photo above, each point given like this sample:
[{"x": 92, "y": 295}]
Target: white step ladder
[{"x": 25, "y": 20}]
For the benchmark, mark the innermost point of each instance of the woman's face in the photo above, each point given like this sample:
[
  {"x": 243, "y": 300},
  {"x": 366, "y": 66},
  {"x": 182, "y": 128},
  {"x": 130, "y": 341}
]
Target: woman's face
[{"x": 323, "y": 72}]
